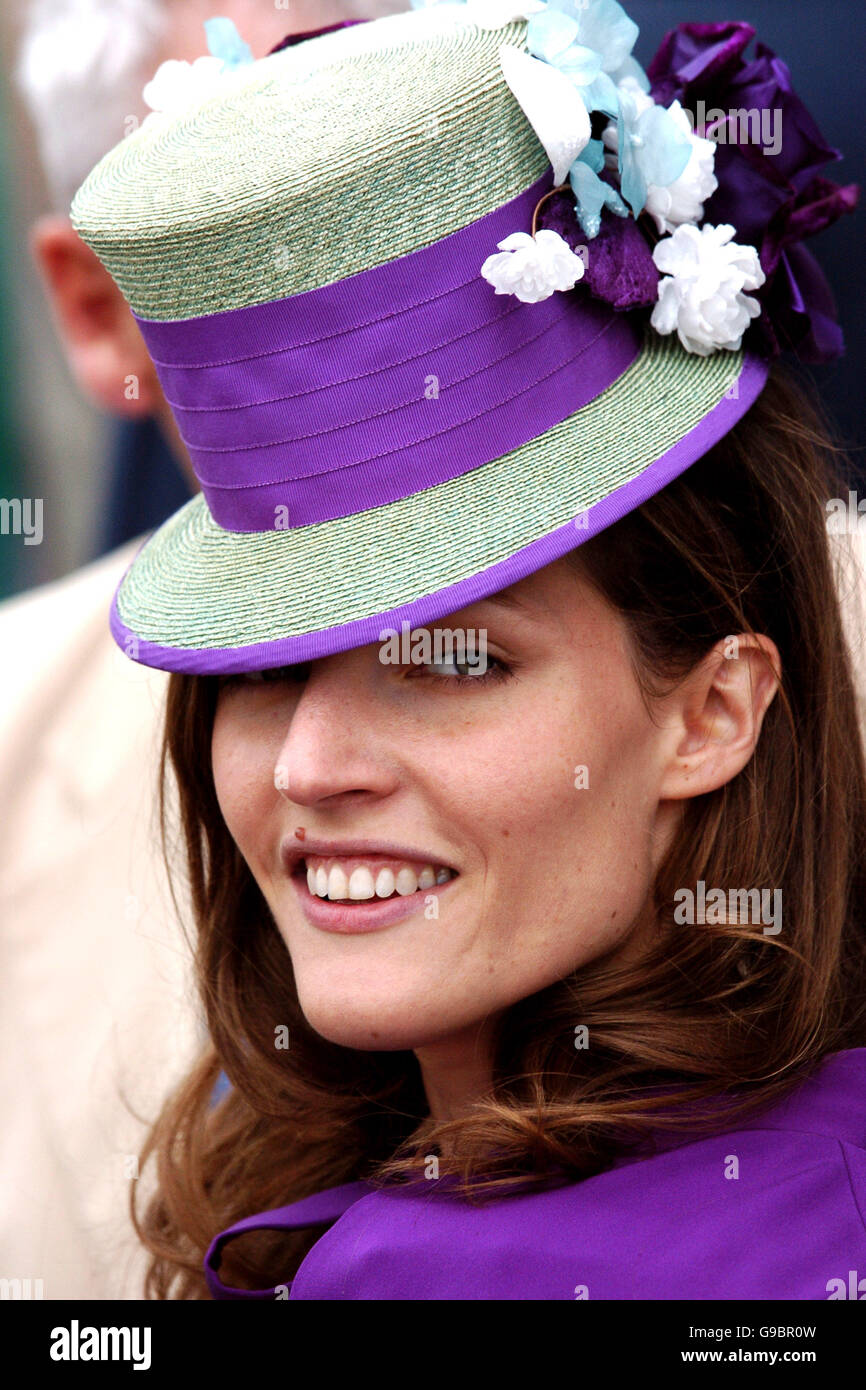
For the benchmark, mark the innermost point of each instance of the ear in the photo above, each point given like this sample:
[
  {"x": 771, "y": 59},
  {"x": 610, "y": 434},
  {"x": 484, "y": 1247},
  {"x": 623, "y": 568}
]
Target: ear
[
  {"x": 103, "y": 343},
  {"x": 714, "y": 717}
]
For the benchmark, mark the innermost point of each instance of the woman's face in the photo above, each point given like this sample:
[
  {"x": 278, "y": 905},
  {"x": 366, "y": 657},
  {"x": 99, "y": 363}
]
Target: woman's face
[{"x": 535, "y": 783}]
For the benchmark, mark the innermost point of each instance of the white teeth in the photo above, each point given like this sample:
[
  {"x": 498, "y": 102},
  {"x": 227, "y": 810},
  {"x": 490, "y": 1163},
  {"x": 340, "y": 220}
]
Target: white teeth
[
  {"x": 406, "y": 882},
  {"x": 361, "y": 884},
  {"x": 385, "y": 883},
  {"x": 339, "y": 886}
]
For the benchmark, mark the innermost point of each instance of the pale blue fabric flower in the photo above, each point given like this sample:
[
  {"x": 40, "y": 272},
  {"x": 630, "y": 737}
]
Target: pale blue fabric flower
[
  {"x": 652, "y": 149},
  {"x": 591, "y": 45},
  {"x": 592, "y": 194},
  {"x": 604, "y": 26},
  {"x": 590, "y": 42},
  {"x": 593, "y": 155},
  {"x": 224, "y": 41}
]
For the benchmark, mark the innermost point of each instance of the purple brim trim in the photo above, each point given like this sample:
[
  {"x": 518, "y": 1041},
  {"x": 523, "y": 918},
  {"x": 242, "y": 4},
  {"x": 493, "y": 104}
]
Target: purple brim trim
[{"x": 310, "y": 646}]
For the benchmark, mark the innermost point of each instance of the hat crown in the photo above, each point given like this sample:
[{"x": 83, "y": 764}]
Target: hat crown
[{"x": 320, "y": 161}]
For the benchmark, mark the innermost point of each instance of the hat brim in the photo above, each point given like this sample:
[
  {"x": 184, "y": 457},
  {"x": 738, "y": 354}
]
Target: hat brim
[{"x": 207, "y": 601}]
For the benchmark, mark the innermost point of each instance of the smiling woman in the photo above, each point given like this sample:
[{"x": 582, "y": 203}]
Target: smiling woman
[
  {"x": 444, "y": 900},
  {"x": 541, "y": 1021}
]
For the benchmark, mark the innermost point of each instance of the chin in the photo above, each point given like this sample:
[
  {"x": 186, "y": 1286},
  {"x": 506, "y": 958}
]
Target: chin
[
  {"x": 362, "y": 1022},
  {"x": 383, "y": 1017},
  {"x": 371, "y": 1034}
]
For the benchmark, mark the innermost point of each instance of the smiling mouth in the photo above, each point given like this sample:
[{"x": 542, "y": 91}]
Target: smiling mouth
[{"x": 356, "y": 879}]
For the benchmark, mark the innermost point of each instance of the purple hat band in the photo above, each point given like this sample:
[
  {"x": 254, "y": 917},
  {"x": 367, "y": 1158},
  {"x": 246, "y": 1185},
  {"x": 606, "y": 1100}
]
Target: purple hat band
[{"x": 382, "y": 384}]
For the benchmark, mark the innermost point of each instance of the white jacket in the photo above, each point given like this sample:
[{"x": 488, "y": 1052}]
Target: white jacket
[{"x": 95, "y": 986}]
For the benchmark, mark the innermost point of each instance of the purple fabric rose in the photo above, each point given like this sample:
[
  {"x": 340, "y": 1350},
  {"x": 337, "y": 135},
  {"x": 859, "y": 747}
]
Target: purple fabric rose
[
  {"x": 768, "y": 154},
  {"x": 619, "y": 265},
  {"x": 698, "y": 60},
  {"x": 799, "y": 311}
]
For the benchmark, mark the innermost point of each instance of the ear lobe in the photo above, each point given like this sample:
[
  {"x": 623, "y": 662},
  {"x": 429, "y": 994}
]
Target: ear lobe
[
  {"x": 103, "y": 344},
  {"x": 716, "y": 716}
]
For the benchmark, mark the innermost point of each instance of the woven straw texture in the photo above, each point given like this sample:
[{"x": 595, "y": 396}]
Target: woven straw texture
[
  {"x": 195, "y": 585},
  {"x": 335, "y": 155}
]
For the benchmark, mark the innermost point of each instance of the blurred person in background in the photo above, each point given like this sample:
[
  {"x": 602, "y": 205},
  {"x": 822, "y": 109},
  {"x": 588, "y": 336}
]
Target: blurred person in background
[{"x": 97, "y": 1015}]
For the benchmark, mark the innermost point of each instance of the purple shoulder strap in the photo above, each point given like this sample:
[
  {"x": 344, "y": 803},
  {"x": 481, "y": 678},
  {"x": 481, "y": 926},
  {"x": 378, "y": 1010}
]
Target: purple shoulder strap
[{"x": 319, "y": 1209}]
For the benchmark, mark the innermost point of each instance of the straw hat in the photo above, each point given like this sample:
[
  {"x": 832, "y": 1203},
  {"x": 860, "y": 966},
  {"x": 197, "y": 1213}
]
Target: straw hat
[{"x": 381, "y": 433}]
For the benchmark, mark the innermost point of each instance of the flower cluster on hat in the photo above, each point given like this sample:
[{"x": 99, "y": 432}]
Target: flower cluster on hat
[
  {"x": 178, "y": 85},
  {"x": 587, "y": 99},
  {"x": 633, "y": 168},
  {"x": 618, "y": 149}
]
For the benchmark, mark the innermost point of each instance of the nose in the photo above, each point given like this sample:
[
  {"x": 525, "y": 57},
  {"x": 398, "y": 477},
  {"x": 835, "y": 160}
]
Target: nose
[{"x": 336, "y": 745}]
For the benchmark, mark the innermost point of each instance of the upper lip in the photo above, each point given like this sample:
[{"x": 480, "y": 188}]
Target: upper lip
[{"x": 292, "y": 851}]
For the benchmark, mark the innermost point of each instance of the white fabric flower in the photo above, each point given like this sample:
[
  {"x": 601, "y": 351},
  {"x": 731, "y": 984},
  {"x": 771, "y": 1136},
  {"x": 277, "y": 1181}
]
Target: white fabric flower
[
  {"x": 552, "y": 105},
  {"x": 701, "y": 293},
  {"x": 177, "y": 85},
  {"x": 683, "y": 200},
  {"x": 533, "y": 267}
]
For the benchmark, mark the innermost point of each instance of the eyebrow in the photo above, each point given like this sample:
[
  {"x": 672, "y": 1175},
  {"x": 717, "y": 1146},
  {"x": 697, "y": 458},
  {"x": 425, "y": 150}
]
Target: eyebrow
[
  {"x": 524, "y": 609},
  {"x": 502, "y": 599}
]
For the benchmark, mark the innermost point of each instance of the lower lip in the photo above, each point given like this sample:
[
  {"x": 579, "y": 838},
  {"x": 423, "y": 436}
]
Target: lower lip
[{"x": 369, "y": 914}]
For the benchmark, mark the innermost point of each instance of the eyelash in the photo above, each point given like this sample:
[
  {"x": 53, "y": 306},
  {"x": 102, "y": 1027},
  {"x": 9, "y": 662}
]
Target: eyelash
[{"x": 497, "y": 670}]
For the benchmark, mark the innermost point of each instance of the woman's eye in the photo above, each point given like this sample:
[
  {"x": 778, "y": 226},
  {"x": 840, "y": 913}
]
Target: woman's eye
[
  {"x": 454, "y": 671},
  {"x": 450, "y": 666}
]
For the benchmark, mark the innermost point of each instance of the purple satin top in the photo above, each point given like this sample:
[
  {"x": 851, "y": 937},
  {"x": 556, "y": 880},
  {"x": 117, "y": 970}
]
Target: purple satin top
[{"x": 773, "y": 1209}]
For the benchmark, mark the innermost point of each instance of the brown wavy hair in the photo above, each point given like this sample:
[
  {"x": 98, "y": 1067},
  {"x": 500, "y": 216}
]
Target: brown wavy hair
[{"x": 737, "y": 544}]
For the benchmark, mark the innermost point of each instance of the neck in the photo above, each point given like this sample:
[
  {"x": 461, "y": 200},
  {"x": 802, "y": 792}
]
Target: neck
[{"x": 456, "y": 1071}]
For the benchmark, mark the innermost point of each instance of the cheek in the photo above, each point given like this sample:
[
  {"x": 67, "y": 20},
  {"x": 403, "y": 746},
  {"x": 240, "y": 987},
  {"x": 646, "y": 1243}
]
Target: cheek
[
  {"x": 567, "y": 815},
  {"x": 560, "y": 758},
  {"x": 243, "y": 769}
]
